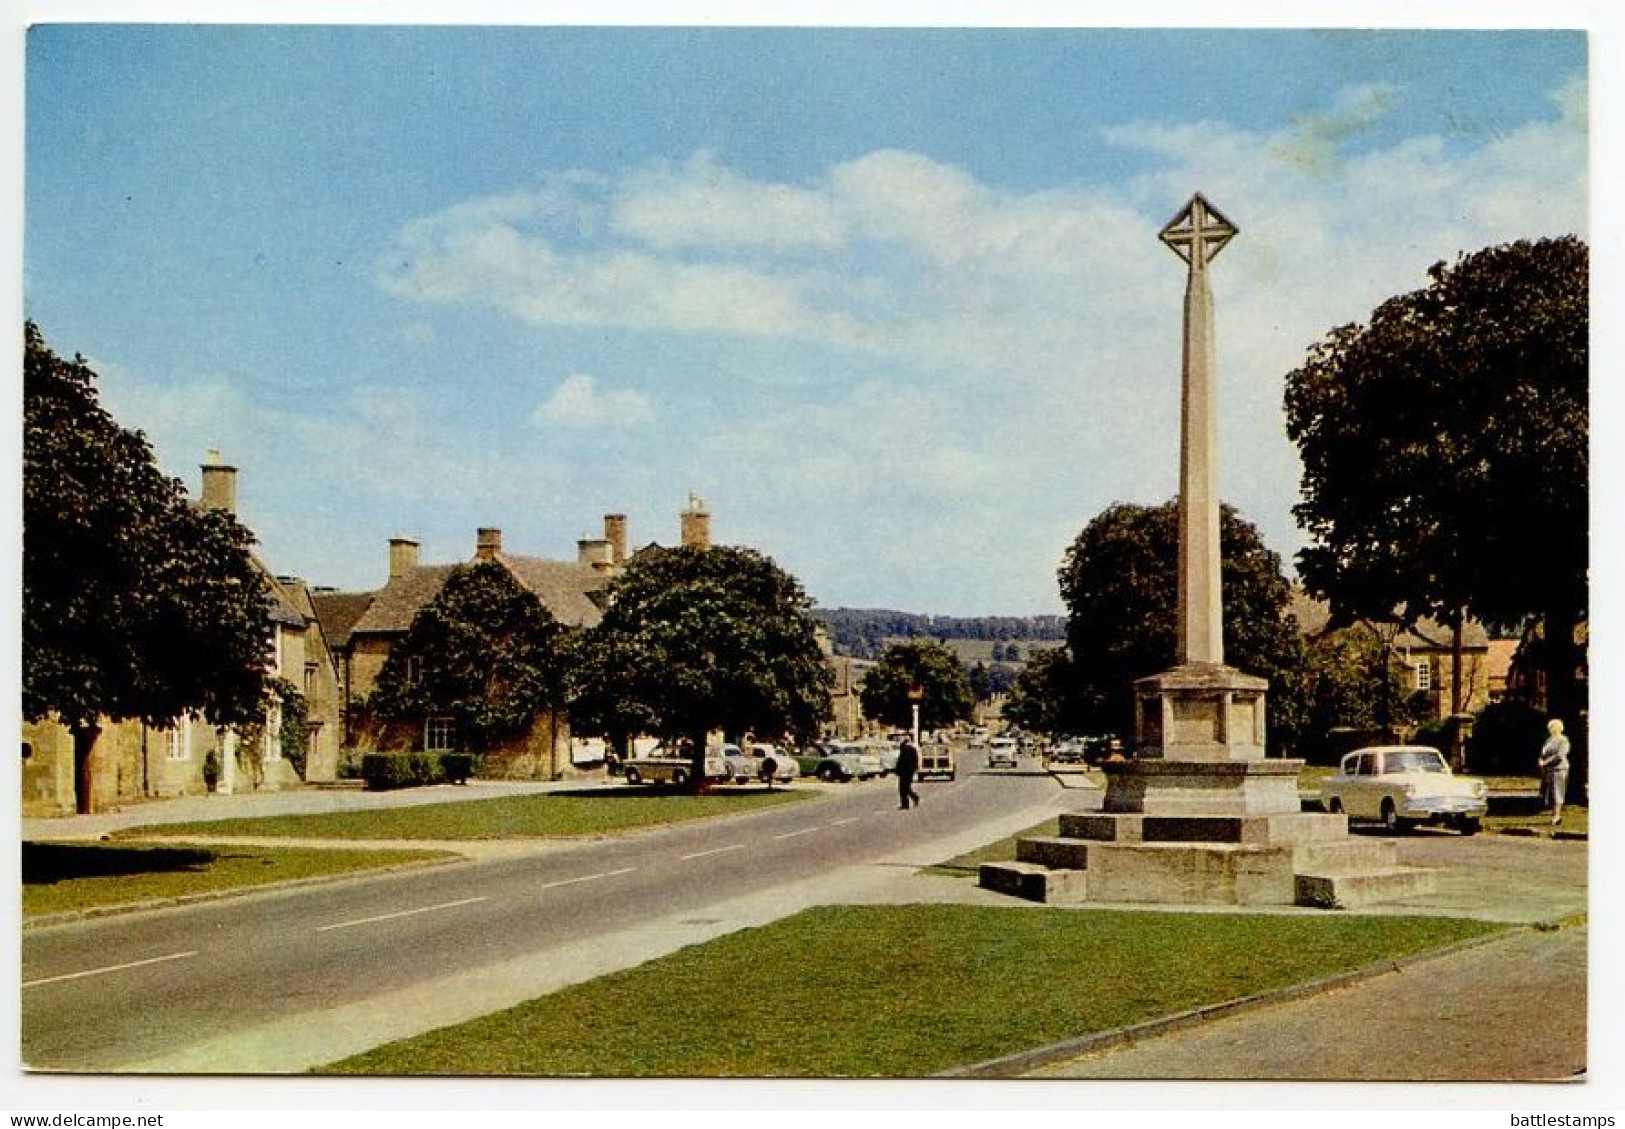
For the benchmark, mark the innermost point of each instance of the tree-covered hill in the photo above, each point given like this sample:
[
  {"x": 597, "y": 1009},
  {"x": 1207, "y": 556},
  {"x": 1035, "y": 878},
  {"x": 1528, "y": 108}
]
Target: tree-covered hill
[{"x": 864, "y": 632}]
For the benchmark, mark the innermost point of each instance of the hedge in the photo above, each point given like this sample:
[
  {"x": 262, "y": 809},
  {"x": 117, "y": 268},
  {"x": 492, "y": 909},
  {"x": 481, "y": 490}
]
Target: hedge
[{"x": 381, "y": 771}]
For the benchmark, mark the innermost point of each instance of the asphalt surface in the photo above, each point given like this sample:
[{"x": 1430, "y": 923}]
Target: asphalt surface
[
  {"x": 287, "y": 980},
  {"x": 1510, "y": 1010}
]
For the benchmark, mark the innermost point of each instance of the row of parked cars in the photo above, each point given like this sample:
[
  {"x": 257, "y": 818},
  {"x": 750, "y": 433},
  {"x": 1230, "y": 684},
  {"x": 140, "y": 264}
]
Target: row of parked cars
[{"x": 723, "y": 764}]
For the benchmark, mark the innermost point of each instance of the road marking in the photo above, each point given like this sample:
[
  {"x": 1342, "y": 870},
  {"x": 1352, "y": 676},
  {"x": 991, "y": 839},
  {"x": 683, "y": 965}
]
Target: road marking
[
  {"x": 586, "y": 878},
  {"x": 109, "y": 968},
  {"x": 712, "y": 851},
  {"x": 844, "y": 822},
  {"x": 793, "y": 834},
  {"x": 402, "y": 913}
]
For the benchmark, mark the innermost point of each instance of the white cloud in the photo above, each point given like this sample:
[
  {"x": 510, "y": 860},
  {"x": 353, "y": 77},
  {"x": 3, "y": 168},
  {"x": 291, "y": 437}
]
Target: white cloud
[
  {"x": 996, "y": 357},
  {"x": 578, "y": 402}
]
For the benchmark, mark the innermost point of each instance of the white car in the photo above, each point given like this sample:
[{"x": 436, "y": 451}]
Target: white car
[
  {"x": 1404, "y": 785},
  {"x": 1001, "y": 752}
]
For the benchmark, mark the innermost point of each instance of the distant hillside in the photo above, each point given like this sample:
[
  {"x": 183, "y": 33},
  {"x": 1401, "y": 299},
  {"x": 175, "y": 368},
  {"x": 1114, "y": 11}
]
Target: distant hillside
[{"x": 865, "y": 632}]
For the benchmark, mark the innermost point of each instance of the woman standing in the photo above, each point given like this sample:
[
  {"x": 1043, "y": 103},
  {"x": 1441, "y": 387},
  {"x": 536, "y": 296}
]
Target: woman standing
[{"x": 1554, "y": 769}]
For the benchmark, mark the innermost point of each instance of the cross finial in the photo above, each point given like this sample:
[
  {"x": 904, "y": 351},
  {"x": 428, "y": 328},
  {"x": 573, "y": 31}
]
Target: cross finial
[{"x": 1198, "y": 232}]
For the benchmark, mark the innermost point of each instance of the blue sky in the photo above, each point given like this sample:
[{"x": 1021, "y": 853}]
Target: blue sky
[{"x": 890, "y": 300}]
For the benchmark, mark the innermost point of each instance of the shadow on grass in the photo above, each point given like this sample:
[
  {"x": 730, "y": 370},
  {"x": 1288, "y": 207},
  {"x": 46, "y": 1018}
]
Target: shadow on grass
[{"x": 45, "y": 864}]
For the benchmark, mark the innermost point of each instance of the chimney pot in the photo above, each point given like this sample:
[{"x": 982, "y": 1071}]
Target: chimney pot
[{"x": 615, "y": 534}]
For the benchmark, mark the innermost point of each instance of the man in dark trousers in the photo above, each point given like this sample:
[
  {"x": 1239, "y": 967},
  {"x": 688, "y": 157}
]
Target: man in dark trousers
[{"x": 908, "y": 763}]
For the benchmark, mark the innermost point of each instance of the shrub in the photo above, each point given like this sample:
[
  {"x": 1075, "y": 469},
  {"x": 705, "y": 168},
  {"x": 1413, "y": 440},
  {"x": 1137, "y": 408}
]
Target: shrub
[{"x": 383, "y": 771}]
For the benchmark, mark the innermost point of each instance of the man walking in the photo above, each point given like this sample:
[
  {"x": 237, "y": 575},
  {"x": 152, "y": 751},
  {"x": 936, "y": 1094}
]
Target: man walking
[{"x": 908, "y": 763}]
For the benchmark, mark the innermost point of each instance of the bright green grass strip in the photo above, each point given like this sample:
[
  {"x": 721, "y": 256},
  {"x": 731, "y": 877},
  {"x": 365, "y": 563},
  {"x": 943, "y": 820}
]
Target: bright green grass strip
[
  {"x": 61, "y": 877},
  {"x": 901, "y": 991},
  {"x": 508, "y": 817}
]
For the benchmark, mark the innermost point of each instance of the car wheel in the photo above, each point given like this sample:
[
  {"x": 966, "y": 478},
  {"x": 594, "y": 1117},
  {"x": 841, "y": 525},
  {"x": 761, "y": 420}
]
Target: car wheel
[
  {"x": 678, "y": 778},
  {"x": 1335, "y": 806},
  {"x": 633, "y": 776},
  {"x": 1390, "y": 817},
  {"x": 827, "y": 774},
  {"x": 1469, "y": 826}
]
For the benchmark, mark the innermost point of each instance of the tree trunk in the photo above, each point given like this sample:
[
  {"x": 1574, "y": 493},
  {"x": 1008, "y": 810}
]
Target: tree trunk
[{"x": 85, "y": 738}]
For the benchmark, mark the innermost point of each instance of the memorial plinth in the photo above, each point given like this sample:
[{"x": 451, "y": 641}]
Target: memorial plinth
[{"x": 1199, "y": 815}]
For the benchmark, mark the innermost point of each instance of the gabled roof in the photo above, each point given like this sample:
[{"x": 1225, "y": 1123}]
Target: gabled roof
[
  {"x": 1314, "y": 618},
  {"x": 394, "y": 605},
  {"x": 338, "y": 612},
  {"x": 566, "y": 589}
]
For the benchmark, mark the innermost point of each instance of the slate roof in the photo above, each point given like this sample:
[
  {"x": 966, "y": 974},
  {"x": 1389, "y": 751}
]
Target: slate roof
[
  {"x": 338, "y": 612},
  {"x": 394, "y": 605},
  {"x": 1314, "y": 617},
  {"x": 570, "y": 591}
]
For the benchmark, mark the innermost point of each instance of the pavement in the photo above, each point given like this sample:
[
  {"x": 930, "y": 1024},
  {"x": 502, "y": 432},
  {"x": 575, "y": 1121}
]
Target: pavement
[{"x": 1512, "y": 1009}]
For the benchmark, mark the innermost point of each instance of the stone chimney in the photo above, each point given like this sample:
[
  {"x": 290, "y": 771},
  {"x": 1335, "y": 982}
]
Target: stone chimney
[
  {"x": 596, "y": 552},
  {"x": 696, "y": 524},
  {"x": 615, "y": 534},
  {"x": 219, "y": 485},
  {"x": 487, "y": 544},
  {"x": 403, "y": 556}
]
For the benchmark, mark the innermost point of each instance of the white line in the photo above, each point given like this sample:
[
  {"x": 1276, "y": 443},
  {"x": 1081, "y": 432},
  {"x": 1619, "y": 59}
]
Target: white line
[
  {"x": 793, "y": 834},
  {"x": 402, "y": 913},
  {"x": 586, "y": 878},
  {"x": 109, "y": 968},
  {"x": 844, "y": 822},
  {"x": 712, "y": 851}
]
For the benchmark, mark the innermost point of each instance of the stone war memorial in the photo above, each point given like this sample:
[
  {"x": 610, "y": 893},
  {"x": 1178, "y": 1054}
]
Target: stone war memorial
[{"x": 1199, "y": 815}]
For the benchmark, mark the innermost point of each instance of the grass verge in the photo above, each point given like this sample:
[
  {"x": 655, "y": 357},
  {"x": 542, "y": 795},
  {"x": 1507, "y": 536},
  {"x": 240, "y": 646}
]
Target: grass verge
[
  {"x": 901, "y": 991},
  {"x": 593, "y": 812},
  {"x": 1002, "y": 850},
  {"x": 65, "y": 877}
]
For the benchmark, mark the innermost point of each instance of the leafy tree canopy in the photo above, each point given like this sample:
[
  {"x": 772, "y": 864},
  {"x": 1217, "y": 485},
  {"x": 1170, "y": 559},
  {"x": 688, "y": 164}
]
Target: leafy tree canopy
[
  {"x": 1043, "y": 699},
  {"x": 1445, "y": 450},
  {"x": 696, "y": 639},
  {"x": 945, "y": 691},
  {"x": 136, "y": 603},
  {"x": 485, "y": 652},
  {"x": 1119, "y": 583}
]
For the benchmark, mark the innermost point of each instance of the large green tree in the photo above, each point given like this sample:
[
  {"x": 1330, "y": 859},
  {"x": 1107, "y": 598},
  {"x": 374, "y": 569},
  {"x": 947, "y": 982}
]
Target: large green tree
[
  {"x": 696, "y": 639},
  {"x": 1445, "y": 453},
  {"x": 137, "y": 605},
  {"x": 930, "y": 667},
  {"x": 484, "y": 652},
  {"x": 1119, "y": 584},
  {"x": 1043, "y": 699}
]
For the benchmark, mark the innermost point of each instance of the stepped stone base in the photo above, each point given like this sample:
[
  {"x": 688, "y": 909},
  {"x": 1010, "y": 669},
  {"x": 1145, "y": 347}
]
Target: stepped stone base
[
  {"x": 1034, "y": 882},
  {"x": 1227, "y": 858}
]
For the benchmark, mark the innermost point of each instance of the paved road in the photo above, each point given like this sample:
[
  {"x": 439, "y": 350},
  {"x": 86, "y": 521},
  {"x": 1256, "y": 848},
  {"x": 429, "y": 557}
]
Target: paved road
[{"x": 284, "y": 981}]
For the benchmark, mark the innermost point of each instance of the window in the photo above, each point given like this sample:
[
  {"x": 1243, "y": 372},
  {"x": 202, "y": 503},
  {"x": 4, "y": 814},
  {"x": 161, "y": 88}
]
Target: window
[
  {"x": 414, "y": 670},
  {"x": 1424, "y": 675},
  {"x": 439, "y": 735},
  {"x": 178, "y": 741}
]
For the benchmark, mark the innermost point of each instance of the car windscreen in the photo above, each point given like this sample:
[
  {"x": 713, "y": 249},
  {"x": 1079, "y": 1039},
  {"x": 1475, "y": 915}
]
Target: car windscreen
[{"x": 1422, "y": 761}]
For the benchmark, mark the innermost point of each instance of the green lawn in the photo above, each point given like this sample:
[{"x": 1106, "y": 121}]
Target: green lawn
[
  {"x": 59, "y": 877},
  {"x": 595, "y": 812},
  {"x": 901, "y": 991}
]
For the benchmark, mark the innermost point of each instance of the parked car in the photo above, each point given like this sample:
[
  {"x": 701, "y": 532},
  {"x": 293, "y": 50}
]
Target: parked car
[
  {"x": 1069, "y": 750},
  {"x": 936, "y": 760},
  {"x": 847, "y": 760},
  {"x": 771, "y": 763},
  {"x": 663, "y": 765},
  {"x": 1002, "y": 752},
  {"x": 1404, "y": 785}
]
